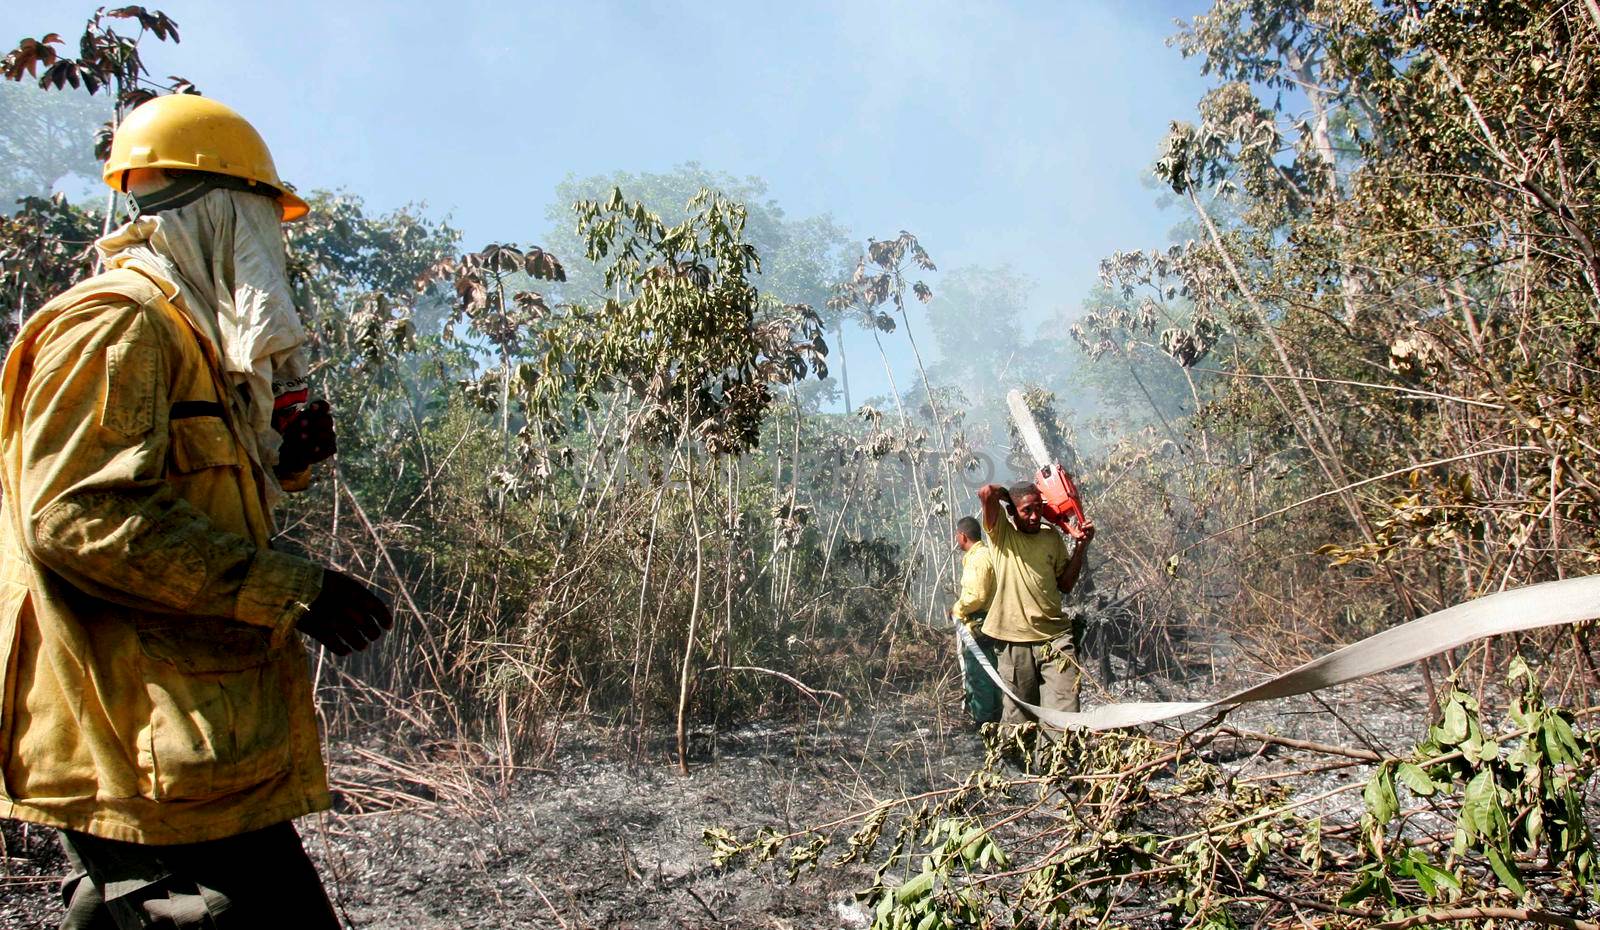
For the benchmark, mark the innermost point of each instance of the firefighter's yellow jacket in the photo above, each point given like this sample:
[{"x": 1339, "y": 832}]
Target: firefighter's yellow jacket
[
  {"x": 154, "y": 687},
  {"x": 977, "y": 584}
]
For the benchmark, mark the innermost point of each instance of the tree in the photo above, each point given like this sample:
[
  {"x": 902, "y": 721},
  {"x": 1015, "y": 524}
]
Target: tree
[
  {"x": 801, "y": 259},
  {"x": 45, "y": 248},
  {"x": 107, "y": 59},
  {"x": 45, "y": 138},
  {"x": 977, "y": 324}
]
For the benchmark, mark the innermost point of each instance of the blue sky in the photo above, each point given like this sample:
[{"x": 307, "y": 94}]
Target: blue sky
[{"x": 996, "y": 132}]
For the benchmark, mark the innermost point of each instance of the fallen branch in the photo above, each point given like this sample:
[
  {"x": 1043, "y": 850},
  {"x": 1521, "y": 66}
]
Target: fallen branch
[
  {"x": 1365, "y": 755},
  {"x": 1475, "y": 914},
  {"x": 804, "y": 688}
]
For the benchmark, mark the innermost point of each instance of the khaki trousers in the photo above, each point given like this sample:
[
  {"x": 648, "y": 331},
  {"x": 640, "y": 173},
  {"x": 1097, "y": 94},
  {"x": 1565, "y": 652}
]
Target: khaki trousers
[
  {"x": 1044, "y": 673},
  {"x": 259, "y": 879}
]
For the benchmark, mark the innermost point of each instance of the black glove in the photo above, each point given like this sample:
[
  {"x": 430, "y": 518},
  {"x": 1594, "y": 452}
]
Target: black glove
[
  {"x": 308, "y": 437},
  {"x": 345, "y": 617}
]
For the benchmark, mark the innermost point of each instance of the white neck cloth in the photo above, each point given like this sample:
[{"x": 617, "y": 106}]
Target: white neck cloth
[{"x": 225, "y": 253}]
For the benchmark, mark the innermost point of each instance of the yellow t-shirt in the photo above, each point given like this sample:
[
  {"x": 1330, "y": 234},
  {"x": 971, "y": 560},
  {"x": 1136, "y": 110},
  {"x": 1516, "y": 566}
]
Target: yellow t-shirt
[
  {"x": 1026, "y": 607},
  {"x": 977, "y": 582}
]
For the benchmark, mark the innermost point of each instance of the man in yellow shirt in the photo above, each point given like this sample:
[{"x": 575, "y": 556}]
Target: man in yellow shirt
[
  {"x": 1032, "y": 570},
  {"x": 977, "y": 588}
]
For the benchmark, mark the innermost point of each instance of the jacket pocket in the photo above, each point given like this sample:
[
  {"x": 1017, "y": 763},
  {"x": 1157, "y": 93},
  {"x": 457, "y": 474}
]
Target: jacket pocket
[
  {"x": 201, "y": 442},
  {"x": 131, "y": 385},
  {"x": 219, "y": 717}
]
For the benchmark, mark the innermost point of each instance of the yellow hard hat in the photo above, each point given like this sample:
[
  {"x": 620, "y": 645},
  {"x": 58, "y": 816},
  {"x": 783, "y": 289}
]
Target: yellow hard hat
[{"x": 194, "y": 133}]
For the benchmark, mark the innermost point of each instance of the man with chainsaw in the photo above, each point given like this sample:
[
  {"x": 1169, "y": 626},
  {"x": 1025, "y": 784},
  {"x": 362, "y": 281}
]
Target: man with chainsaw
[
  {"x": 1033, "y": 644},
  {"x": 982, "y": 698},
  {"x": 156, "y": 704}
]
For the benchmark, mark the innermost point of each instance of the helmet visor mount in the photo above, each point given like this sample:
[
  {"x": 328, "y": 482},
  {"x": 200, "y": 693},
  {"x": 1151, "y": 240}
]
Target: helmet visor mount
[{"x": 189, "y": 186}]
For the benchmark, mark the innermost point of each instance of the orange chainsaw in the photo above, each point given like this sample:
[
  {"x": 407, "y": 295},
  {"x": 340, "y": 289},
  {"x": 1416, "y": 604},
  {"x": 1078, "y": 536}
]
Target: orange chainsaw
[{"x": 1057, "y": 491}]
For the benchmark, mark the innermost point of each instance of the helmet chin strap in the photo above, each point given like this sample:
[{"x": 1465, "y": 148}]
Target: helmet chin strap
[{"x": 187, "y": 187}]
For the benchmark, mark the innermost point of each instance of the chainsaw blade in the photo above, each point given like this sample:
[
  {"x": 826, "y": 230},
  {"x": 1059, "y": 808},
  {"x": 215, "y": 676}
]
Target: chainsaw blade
[{"x": 1027, "y": 429}]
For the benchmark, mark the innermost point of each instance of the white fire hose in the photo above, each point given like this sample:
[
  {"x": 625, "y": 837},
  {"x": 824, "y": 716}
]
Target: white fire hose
[{"x": 1553, "y": 603}]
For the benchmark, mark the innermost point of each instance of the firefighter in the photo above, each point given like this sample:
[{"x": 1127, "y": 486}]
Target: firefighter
[
  {"x": 982, "y": 698},
  {"x": 157, "y": 707},
  {"x": 1032, "y": 568}
]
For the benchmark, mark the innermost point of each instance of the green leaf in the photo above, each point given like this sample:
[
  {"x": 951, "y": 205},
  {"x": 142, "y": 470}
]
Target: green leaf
[
  {"x": 1454, "y": 728},
  {"x": 1439, "y": 876},
  {"x": 1429, "y": 877},
  {"x": 915, "y": 888},
  {"x": 1506, "y": 871},
  {"x": 1372, "y": 882},
  {"x": 1533, "y": 826},
  {"x": 1479, "y": 804},
  {"x": 1559, "y": 742},
  {"x": 1414, "y": 778},
  {"x": 1379, "y": 795}
]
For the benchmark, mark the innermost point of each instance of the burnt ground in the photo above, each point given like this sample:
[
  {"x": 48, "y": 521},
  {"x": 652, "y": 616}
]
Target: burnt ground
[{"x": 596, "y": 842}]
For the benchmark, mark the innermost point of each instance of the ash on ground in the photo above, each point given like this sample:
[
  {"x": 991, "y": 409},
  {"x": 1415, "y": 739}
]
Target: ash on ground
[{"x": 595, "y": 841}]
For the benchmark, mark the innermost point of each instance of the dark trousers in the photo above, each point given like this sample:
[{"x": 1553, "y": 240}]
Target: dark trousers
[
  {"x": 982, "y": 696},
  {"x": 258, "y": 879}
]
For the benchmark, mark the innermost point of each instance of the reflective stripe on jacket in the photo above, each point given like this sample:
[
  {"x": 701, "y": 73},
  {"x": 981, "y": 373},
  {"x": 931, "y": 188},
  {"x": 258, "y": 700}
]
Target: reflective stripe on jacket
[{"x": 154, "y": 688}]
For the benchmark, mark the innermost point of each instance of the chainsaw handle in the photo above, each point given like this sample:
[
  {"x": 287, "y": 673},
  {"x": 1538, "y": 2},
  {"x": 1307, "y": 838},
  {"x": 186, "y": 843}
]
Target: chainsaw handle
[
  {"x": 1065, "y": 524},
  {"x": 1059, "y": 494}
]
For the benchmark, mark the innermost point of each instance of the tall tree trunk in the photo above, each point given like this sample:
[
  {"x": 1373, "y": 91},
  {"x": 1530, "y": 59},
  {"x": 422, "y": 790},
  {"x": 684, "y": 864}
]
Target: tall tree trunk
[
  {"x": 844, "y": 367},
  {"x": 694, "y": 618}
]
